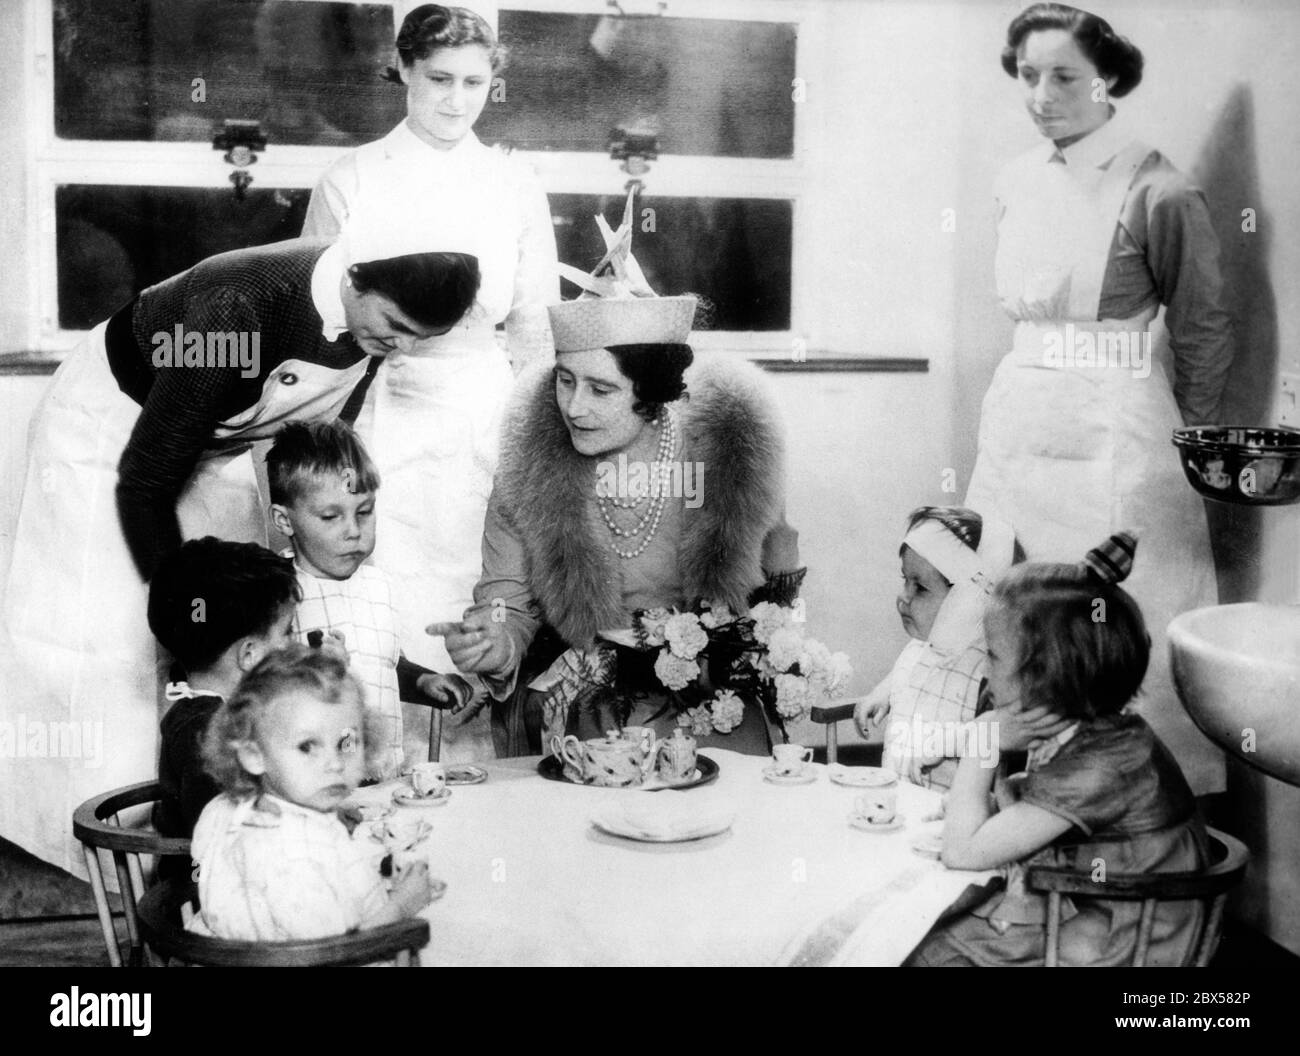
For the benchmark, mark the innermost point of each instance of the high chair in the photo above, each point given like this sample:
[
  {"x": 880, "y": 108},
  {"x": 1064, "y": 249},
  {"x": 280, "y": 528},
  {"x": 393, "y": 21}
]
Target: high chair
[
  {"x": 1210, "y": 886},
  {"x": 160, "y": 922},
  {"x": 92, "y": 827}
]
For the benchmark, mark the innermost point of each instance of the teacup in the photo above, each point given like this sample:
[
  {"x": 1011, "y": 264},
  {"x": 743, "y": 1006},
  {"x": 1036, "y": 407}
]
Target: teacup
[
  {"x": 788, "y": 760},
  {"x": 428, "y": 779},
  {"x": 676, "y": 756},
  {"x": 879, "y": 806}
]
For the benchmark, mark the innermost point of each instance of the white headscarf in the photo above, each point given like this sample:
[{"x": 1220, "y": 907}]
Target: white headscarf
[{"x": 972, "y": 574}]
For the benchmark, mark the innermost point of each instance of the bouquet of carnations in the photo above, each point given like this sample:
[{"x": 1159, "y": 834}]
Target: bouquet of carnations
[{"x": 712, "y": 662}]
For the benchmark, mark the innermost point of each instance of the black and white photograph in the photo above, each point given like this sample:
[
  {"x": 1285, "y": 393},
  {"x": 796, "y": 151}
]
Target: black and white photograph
[{"x": 432, "y": 432}]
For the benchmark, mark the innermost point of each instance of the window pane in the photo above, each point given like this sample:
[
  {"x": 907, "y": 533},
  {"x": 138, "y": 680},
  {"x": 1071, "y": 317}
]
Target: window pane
[
  {"x": 115, "y": 241},
  {"x": 705, "y": 86},
  {"x": 734, "y": 251},
  {"x": 309, "y": 72}
]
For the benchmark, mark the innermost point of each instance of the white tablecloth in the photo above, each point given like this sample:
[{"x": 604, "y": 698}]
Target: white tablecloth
[{"x": 530, "y": 881}]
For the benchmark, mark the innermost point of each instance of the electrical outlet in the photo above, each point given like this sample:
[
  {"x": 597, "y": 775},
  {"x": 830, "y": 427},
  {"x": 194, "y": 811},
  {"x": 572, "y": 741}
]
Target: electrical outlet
[{"x": 1288, "y": 399}]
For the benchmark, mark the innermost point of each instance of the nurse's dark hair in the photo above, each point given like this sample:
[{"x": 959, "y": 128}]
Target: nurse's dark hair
[
  {"x": 434, "y": 289},
  {"x": 1082, "y": 646},
  {"x": 432, "y": 26},
  {"x": 303, "y": 452},
  {"x": 296, "y": 669},
  {"x": 1113, "y": 55},
  {"x": 208, "y": 593}
]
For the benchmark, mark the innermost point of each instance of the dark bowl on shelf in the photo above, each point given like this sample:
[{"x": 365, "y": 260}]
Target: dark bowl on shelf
[{"x": 1242, "y": 464}]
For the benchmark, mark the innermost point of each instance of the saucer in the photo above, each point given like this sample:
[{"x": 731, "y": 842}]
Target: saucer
[
  {"x": 805, "y": 777},
  {"x": 372, "y": 811},
  {"x": 409, "y": 797},
  {"x": 465, "y": 774},
  {"x": 861, "y": 823},
  {"x": 861, "y": 776},
  {"x": 929, "y": 847}
]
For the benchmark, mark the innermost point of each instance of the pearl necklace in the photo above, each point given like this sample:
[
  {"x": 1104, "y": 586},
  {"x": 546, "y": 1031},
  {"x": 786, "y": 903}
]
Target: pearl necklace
[{"x": 658, "y": 494}]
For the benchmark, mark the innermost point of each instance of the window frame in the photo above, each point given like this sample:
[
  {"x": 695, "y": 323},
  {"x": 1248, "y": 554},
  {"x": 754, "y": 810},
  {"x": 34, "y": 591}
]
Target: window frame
[{"x": 53, "y": 162}]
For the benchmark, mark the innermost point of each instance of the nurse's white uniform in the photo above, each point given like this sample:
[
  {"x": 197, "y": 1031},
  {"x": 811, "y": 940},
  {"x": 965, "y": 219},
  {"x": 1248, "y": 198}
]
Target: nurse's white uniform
[
  {"x": 431, "y": 419},
  {"x": 1074, "y": 439}
]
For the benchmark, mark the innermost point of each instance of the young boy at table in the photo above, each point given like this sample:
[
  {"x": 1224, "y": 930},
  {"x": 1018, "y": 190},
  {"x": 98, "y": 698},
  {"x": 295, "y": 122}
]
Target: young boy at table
[
  {"x": 323, "y": 488},
  {"x": 218, "y": 608}
]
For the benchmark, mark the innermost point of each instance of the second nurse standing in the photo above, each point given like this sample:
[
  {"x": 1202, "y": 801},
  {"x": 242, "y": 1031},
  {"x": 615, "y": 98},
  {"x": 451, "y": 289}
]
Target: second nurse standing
[
  {"x": 433, "y": 417},
  {"x": 1096, "y": 231}
]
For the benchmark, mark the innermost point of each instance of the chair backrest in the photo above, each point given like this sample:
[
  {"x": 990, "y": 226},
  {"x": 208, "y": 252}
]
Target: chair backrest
[
  {"x": 829, "y": 716},
  {"x": 160, "y": 923},
  {"x": 1228, "y": 860},
  {"x": 95, "y": 825}
]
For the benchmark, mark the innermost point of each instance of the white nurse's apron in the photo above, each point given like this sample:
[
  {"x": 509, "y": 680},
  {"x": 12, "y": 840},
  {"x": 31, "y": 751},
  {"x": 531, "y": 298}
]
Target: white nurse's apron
[
  {"x": 82, "y": 694},
  {"x": 431, "y": 421},
  {"x": 1074, "y": 439}
]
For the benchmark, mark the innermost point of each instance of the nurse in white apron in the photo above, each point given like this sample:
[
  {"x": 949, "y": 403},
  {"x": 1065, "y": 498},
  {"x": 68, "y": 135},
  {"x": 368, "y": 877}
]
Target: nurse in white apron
[
  {"x": 1096, "y": 231},
  {"x": 144, "y": 439},
  {"x": 432, "y": 419}
]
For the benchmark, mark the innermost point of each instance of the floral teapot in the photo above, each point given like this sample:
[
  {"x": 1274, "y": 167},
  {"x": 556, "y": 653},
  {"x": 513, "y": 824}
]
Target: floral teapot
[{"x": 613, "y": 761}]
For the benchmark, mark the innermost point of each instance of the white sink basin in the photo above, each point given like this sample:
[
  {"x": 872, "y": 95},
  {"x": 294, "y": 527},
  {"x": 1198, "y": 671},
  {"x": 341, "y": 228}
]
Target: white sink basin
[{"x": 1237, "y": 668}]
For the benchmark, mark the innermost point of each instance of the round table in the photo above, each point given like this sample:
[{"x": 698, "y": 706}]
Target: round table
[{"x": 531, "y": 881}]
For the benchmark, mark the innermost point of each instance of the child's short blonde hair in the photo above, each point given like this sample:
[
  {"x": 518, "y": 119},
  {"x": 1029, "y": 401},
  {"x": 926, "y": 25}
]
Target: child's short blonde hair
[
  {"x": 303, "y": 452},
  {"x": 321, "y": 673}
]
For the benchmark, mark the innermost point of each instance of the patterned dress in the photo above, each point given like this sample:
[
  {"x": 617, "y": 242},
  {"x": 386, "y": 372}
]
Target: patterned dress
[{"x": 272, "y": 871}]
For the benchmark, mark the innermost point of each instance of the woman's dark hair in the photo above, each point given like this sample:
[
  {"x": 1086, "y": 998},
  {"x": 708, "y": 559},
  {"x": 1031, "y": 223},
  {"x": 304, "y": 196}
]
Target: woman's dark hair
[
  {"x": 432, "y": 26},
  {"x": 304, "y": 451},
  {"x": 1112, "y": 54},
  {"x": 209, "y": 593},
  {"x": 434, "y": 289},
  {"x": 655, "y": 372},
  {"x": 1082, "y": 645}
]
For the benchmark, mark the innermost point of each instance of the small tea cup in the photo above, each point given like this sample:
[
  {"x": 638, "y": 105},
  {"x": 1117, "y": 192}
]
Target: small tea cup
[
  {"x": 788, "y": 760},
  {"x": 429, "y": 779},
  {"x": 879, "y": 806}
]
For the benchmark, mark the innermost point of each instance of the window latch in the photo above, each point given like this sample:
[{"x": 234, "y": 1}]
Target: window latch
[{"x": 240, "y": 140}]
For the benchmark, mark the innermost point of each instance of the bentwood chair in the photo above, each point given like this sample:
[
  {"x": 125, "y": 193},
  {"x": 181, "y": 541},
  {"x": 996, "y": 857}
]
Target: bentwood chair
[
  {"x": 830, "y": 716},
  {"x": 160, "y": 922},
  {"x": 1210, "y": 886},
  {"x": 95, "y": 824}
]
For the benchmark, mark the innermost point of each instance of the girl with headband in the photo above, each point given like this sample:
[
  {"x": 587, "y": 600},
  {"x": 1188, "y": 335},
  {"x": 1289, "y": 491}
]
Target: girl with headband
[
  {"x": 951, "y": 558},
  {"x": 1067, "y": 643}
]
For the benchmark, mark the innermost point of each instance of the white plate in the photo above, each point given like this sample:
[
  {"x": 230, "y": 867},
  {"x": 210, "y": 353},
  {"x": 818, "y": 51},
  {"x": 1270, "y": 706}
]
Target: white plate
[
  {"x": 409, "y": 797},
  {"x": 929, "y": 847},
  {"x": 806, "y": 777},
  {"x": 616, "y": 823},
  {"x": 862, "y": 776},
  {"x": 859, "y": 822}
]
